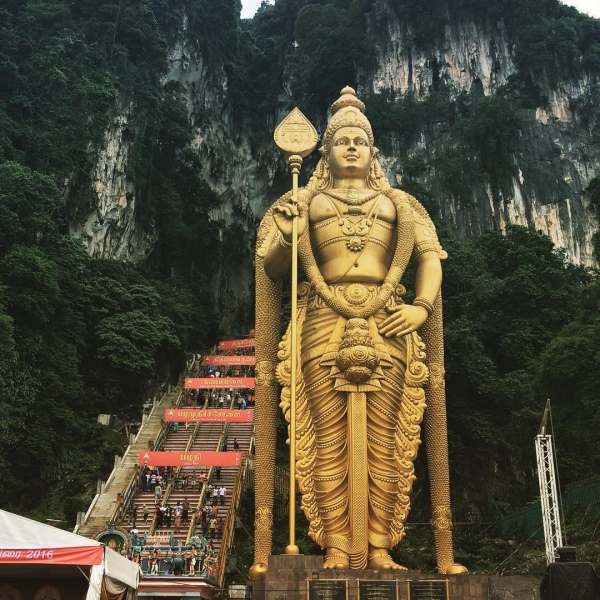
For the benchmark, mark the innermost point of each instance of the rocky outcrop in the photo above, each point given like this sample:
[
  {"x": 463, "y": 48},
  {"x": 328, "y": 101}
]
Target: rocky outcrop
[
  {"x": 467, "y": 56},
  {"x": 554, "y": 162},
  {"x": 555, "y": 159},
  {"x": 110, "y": 228}
]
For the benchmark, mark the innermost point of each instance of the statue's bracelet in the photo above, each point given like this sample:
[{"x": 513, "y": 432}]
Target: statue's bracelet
[
  {"x": 423, "y": 302},
  {"x": 282, "y": 241}
]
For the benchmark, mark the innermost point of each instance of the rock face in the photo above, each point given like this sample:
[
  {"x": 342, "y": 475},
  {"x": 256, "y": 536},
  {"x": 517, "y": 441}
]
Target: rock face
[
  {"x": 555, "y": 160},
  {"x": 110, "y": 229}
]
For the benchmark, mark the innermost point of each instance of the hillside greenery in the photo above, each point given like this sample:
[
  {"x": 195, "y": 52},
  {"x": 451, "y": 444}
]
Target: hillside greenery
[{"x": 81, "y": 336}]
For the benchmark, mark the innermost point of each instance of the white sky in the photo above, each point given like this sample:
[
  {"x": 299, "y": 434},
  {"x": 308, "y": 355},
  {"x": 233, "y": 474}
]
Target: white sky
[{"x": 590, "y": 7}]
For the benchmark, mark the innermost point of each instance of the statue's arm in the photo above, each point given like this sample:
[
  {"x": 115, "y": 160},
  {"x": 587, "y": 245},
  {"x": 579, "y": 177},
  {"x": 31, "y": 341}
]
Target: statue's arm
[
  {"x": 278, "y": 259},
  {"x": 406, "y": 318},
  {"x": 426, "y": 264}
]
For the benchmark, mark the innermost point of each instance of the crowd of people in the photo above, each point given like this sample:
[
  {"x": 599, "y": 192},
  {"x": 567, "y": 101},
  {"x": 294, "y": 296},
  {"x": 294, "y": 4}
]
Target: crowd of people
[
  {"x": 199, "y": 558},
  {"x": 164, "y": 554}
]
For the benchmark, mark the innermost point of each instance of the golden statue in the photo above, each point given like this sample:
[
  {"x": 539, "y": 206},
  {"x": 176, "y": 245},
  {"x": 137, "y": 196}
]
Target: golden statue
[{"x": 370, "y": 366}]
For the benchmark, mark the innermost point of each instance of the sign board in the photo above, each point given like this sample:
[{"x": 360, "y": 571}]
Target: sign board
[
  {"x": 428, "y": 589},
  {"x": 327, "y": 589},
  {"x": 215, "y": 383},
  {"x": 75, "y": 555},
  {"x": 377, "y": 590},
  {"x": 233, "y": 344},
  {"x": 219, "y": 415},
  {"x": 190, "y": 458},
  {"x": 224, "y": 359}
]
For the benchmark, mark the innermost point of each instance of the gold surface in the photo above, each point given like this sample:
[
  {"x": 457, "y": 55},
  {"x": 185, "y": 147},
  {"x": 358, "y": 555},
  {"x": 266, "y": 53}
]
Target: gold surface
[
  {"x": 295, "y": 135},
  {"x": 367, "y": 363}
]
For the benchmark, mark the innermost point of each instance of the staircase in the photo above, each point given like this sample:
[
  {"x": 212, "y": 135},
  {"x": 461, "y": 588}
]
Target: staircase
[
  {"x": 106, "y": 506},
  {"x": 243, "y": 433},
  {"x": 180, "y": 487}
]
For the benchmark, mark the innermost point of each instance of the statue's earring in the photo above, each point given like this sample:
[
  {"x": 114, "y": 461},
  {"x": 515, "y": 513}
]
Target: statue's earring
[
  {"x": 375, "y": 172},
  {"x": 323, "y": 173}
]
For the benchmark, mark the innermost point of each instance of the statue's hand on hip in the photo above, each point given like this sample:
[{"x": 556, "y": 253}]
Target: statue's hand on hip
[
  {"x": 403, "y": 319},
  {"x": 284, "y": 216}
]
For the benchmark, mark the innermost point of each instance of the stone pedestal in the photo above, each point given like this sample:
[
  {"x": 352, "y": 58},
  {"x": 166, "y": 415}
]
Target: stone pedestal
[{"x": 288, "y": 577}]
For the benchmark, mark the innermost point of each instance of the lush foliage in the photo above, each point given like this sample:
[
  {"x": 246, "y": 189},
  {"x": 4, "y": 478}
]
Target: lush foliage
[
  {"x": 80, "y": 336},
  {"x": 506, "y": 299}
]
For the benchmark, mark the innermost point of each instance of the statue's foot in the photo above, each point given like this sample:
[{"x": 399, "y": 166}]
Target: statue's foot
[
  {"x": 336, "y": 559},
  {"x": 258, "y": 571},
  {"x": 454, "y": 569},
  {"x": 381, "y": 559}
]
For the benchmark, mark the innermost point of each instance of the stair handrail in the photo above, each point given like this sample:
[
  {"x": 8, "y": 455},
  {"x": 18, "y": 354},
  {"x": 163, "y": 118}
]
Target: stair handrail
[
  {"x": 229, "y": 527},
  {"x": 169, "y": 488},
  {"x": 121, "y": 508},
  {"x": 201, "y": 502},
  {"x": 192, "y": 527}
]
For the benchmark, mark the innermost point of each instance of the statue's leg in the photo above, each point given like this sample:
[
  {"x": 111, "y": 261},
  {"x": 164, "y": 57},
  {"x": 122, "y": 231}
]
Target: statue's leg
[
  {"x": 328, "y": 410},
  {"x": 383, "y": 408}
]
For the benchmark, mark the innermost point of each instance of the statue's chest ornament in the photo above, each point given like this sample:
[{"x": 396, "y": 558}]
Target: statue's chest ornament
[{"x": 356, "y": 225}]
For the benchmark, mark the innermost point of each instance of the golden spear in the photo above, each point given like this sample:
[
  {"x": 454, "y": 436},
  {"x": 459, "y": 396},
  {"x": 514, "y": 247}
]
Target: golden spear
[{"x": 296, "y": 138}]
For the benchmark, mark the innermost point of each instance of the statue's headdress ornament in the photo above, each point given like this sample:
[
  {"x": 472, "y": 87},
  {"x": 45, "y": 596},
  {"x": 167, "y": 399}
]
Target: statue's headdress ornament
[{"x": 347, "y": 111}]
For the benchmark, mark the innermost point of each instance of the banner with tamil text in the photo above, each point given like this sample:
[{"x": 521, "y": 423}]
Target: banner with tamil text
[
  {"x": 202, "y": 383},
  {"x": 232, "y": 344},
  {"x": 218, "y": 415},
  {"x": 190, "y": 458},
  {"x": 228, "y": 360},
  {"x": 75, "y": 555}
]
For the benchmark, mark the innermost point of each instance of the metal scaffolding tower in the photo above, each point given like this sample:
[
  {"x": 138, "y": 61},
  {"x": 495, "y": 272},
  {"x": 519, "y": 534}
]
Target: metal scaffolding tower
[{"x": 548, "y": 490}]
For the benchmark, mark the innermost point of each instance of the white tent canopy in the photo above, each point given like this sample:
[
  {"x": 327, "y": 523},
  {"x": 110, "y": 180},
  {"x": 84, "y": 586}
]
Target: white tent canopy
[{"x": 30, "y": 543}]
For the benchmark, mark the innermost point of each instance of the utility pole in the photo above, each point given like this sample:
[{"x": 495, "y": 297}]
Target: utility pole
[{"x": 548, "y": 489}]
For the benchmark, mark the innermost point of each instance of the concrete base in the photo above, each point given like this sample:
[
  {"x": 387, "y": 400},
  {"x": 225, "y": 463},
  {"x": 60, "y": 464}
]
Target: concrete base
[{"x": 288, "y": 576}]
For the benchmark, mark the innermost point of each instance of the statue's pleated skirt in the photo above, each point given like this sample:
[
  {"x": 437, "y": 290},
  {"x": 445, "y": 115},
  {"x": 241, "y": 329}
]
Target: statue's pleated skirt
[{"x": 329, "y": 412}]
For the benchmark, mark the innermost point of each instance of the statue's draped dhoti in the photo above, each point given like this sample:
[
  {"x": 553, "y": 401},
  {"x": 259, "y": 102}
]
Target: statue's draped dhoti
[{"x": 356, "y": 442}]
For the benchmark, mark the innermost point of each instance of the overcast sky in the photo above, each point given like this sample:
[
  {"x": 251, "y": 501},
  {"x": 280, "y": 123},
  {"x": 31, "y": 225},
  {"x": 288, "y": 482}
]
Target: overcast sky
[{"x": 590, "y": 7}]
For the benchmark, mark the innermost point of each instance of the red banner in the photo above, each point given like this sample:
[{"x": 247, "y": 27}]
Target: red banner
[
  {"x": 201, "y": 383},
  {"x": 75, "y": 555},
  {"x": 190, "y": 458},
  {"x": 219, "y": 415},
  {"x": 228, "y": 360},
  {"x": 232, "y": 344}
]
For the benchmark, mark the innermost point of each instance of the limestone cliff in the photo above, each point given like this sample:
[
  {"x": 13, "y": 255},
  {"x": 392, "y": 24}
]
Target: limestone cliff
[
  {"x": 555, "y": 159},
  {"x": 111, "y": 229}
]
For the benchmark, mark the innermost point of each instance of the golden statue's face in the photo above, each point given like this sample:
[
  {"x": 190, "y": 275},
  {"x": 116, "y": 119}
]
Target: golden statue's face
[{"x": 350, "y": 154}]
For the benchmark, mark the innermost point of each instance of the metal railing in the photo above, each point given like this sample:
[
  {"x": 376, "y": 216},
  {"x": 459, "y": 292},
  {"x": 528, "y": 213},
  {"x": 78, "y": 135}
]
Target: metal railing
[
  {"x": 201, "y": 498},
  {"x": 121, "y": 508},
  {"x": 174, "y": 479},
  {"x": 201, "y": 501},
  {"x": 229, "y": 528}
]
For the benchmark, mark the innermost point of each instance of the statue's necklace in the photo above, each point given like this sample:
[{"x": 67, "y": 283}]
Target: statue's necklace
[
  {"x": 356, "y": 225},
  {"x": 352, "y": 196}
]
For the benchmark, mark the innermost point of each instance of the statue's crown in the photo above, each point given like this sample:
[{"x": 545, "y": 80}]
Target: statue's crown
[{"x": 347, "y": 111}]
